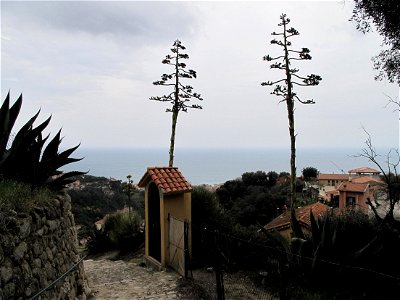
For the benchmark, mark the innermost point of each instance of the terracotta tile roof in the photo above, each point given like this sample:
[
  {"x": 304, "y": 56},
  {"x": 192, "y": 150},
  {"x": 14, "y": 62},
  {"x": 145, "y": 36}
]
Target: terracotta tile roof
[
  {"x": 168, "y": 179},
  {"x": 333, "y": 176},
  {"x": 367, "y": 179},
  {"x": 364, "y": 170},
  {"x": 302, "y": 215},
  {"x": 319, "y": 210},
  {"x": 352, "y": 187},
  {"x": 280, "y": 222}
]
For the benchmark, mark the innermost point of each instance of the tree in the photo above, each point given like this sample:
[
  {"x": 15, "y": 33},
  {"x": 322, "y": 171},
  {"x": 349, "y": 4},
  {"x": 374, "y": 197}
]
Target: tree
[
  {"x": 181, "y": 94},
  {"x": 310, "y": 172},
  {"x": 396, "y": 103},
  {"x": 286, "y": 90},
  {"x": 384, "y": 14},
  {"x": 390, "y": 176}
]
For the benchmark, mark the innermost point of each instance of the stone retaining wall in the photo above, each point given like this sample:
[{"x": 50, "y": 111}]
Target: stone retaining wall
[{"x": 38, "y": 247}]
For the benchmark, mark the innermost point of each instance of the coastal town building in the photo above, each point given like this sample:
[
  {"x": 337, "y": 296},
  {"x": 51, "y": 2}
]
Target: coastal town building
[
  {"x": 341, "y": 192},
  {"x": 329, "y": 183},
  {"x": 282, "y": 222},
  {"x": 331, "y": 180},
  {"x": 365, "y": 171},
  {"x": 354, "y": 196}
]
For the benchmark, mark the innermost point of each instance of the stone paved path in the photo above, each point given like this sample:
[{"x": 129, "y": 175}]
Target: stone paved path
[{"x": 118, "y": 279}]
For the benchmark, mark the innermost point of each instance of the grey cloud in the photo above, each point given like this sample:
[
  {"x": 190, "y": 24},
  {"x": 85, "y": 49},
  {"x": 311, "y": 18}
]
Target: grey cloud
[{"x": 121, "y": 19}]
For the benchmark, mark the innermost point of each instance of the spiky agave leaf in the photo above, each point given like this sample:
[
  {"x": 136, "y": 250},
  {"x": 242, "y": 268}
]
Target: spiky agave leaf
[
  {"x": 51, "y": 149},
  {"x": 55, "y": 160},
  {"x": 18, "y": 159},
  {"x": 24, "y": 160},
  {"x": 8, "y": 117},
  {"x": 27, "y": 135},
  {"x": 7, "y": 161},
  {"x": 295, "y": 225},
  {"x": 52, "y": 160},
  {"x": 315, "y": 230},
  {"x": 36, "y": 150},
  {"x": 59, "y": 182}
]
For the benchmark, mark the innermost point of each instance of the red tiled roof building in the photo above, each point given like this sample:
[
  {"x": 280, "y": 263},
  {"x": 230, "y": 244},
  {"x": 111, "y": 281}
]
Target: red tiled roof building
[
  {"x": 168, "y": 206},
  {"x": 282, "y": 222},
  {"x": 168, "y": 179}
]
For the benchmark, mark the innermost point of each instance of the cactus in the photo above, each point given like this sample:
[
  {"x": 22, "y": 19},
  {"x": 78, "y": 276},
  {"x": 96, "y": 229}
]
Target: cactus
[{"x": 24, "y": 159}]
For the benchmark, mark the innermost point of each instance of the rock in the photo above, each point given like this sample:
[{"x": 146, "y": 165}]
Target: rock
[
  {"x": 66, "y": 203},
  {"x": 43, "y": 279},
  {"x": 12, "y": 213},
  {"x": 82, "y": 297},
  {"x": 26, "y": 270},
  {"x": 6, "y": 273},
  {"x": 36, "y": 271},
  {"x": 67, "y": 222},
  {"x": 50, "y": 271},
  {"x": 56, "y": 203},
  {"x": 45, "y": 230},
  {"x": 36, "y": 219},
  {"x": 49, "y": 254},
  {"x": 51, "y": 213},
  {"x": 20, "y": 251},
  {"x": 11, "y": 224},
  {"x": 8, "y": 244},
  {"x": 37, "y": 263},
  {"x": 9, "y": 291},
  {"x": 24, "y": 228},
  {"x": 22, "y": 215},
  {"x": 34, "y": 285},
  {"x": 37, "y": 249},
  {"x": 28, "y": 291},
  {"x": 53, "y": 225},
  {"x": 43, "y": 256},
  {"x": 1, "y": 255}
]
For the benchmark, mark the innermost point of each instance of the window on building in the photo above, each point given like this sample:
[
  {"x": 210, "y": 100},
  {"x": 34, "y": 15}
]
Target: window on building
[{"x": 350, "y": 201}]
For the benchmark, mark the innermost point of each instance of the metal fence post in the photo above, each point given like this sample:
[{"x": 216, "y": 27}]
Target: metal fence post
[
  {"x": 186, "y": 249},
  {"x": 219, "y": 276}
]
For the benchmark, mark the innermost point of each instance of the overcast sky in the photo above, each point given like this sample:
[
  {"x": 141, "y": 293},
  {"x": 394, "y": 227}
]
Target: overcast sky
[{"x": 91, "y": 66}]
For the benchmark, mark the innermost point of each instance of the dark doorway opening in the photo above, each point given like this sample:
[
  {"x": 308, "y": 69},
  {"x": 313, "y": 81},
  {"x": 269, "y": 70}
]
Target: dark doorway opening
[{"x": 154, "y": 222}]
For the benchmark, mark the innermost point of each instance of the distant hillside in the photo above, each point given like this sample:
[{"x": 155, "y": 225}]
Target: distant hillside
[{"x": 93, "y": 197}]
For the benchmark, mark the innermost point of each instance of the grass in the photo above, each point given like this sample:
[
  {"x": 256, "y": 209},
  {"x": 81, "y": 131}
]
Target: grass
[{"x": 19, "y": 197}]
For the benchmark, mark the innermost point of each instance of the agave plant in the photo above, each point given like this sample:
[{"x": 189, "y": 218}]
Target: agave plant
[{"x": 23, "y": 159}]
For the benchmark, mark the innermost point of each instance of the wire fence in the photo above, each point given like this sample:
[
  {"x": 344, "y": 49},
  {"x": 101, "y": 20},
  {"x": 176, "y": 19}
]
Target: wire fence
[
  {"x": 236, "y": 268},
  {"x": 230, "y": 270}
]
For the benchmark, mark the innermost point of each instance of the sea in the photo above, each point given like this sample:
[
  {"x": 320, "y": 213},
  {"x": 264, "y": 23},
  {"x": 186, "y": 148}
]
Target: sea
[{"x": 215, "y": 166}]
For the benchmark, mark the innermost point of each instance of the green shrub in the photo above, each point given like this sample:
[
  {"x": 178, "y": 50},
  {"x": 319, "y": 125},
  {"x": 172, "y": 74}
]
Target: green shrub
[
  {"x": 125, "y": 230},
  {"x": 122, "y": 231},
  {"x": 96, "y": 199},
  {"x": 206, "y": 217},
  {"x": 350, "y": 249}
]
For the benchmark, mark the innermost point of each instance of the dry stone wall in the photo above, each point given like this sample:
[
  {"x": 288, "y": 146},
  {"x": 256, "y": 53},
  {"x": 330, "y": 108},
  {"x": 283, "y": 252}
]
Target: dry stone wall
[{"x": 38, "y": 247}]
